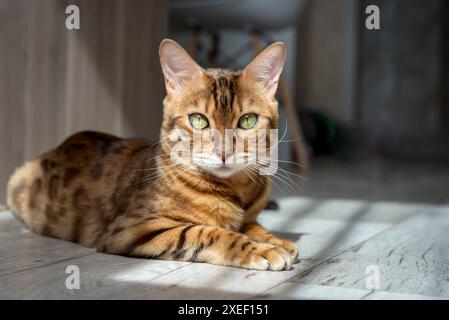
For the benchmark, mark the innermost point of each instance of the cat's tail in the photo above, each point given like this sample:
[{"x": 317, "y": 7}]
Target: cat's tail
[{"x": 24, "y": 196}]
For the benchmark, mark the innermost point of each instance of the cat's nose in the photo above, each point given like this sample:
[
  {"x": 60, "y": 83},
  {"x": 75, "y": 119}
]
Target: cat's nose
[{"x": 224, "y": 155}]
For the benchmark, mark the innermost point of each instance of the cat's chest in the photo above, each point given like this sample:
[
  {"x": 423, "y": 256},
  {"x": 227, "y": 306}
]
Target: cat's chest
[
  {"x": 222, "y": 205},
  {"x": 225, "y": 214},
  {"x": 230, "y": 211}
]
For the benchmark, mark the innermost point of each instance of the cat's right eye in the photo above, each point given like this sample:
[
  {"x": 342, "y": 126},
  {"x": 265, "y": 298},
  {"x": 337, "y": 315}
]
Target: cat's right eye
[{"x": 198, "y": 121}]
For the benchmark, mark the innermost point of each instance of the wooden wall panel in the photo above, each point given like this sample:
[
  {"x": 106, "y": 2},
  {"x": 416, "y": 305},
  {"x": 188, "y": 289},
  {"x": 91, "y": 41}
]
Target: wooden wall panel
[
  {"x": 44, "y": 77},
  {"x": 445, "y": 67},
  {"x": 54, "y": 82},
  {"x": 13, "y": 62},
  {"x": 326, "y": 64}
]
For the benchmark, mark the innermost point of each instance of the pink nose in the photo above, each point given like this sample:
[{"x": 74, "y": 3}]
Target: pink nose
[{"x": 224, "y": 155}]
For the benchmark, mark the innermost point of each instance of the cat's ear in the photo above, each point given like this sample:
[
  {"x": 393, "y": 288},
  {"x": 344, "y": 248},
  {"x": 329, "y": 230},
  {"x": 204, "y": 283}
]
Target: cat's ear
[
  {"x": 267, "y": 67},
  {"x": 177, "y": 65}
]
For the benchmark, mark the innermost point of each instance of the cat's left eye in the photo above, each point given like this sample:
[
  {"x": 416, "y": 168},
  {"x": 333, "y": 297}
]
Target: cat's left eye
[{"x": 248, "y": 121}]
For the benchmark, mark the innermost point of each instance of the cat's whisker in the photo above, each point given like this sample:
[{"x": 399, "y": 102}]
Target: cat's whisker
[
  {"x": 256, "y": 171},
  {"x": 151, "y": 160},
  {"x": 159, "y": 169},
  {"x": 282, "y": 138},
  {"x": 291, "y": 173},
  {"x": 286, "y": 176},
  {"x": 282, "y": 176},
  {"x": 156, "y": 169},
  {"x": 274, "y": 182},
  {"x": 257, "y": 175},
  {"x": 282, "y": 180},
  {"x": 281, "y": 161},
  {"x": 291, "y": 140},
  {"x": 188, "y": 179},
  {"x": 154, "y": 144}
]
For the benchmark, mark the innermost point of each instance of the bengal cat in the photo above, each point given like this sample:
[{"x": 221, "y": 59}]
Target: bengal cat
[{"x": 128, "y": 196}]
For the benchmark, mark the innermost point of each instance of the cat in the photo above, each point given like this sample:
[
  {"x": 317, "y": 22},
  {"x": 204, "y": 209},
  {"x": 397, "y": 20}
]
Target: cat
[{"x": 128, "y": 196}]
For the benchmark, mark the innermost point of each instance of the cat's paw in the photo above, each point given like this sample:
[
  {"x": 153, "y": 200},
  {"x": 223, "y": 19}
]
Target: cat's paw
[
  {"x": 291, "y": 248},
  {"x": 288, "y": 246},
  {"x": 267, "y": 257}
]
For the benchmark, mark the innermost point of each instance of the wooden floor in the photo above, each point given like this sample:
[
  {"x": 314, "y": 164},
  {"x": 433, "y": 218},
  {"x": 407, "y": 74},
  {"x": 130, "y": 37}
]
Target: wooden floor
[{"x": 341, "y": 242}]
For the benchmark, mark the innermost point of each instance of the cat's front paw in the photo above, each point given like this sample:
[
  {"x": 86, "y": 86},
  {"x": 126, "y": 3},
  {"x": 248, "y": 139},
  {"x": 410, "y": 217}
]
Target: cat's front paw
[
  {"x": 291, "y": 248},
  {"x": 288, "y": 246},
  {"x": 267, "y": 257}
]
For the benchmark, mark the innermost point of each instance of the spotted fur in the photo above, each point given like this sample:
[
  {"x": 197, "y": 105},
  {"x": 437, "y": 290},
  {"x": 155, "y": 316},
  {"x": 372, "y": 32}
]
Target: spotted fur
[{"x": 125, "y": 196}]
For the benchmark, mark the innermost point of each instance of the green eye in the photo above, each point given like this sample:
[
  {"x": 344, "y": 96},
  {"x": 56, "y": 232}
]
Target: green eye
[
  {"x": 198, "y": 121},
  {"x": 248, "y": 121}
]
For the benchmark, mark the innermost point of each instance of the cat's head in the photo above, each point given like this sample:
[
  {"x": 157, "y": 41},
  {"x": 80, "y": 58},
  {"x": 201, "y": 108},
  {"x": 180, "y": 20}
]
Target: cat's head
[{"x": 216, "y": 113}]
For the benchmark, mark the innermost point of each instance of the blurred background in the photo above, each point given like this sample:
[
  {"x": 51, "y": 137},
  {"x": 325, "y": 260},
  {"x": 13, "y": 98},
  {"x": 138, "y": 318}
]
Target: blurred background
[{"x": 367, "y": 111}]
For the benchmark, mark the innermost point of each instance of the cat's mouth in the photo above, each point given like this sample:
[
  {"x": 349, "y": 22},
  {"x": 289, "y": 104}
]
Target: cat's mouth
[{"x": 222, "y": 171}]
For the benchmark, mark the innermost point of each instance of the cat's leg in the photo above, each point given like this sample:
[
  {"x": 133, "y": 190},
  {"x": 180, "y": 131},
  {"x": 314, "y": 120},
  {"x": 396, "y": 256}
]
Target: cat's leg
[
  {"x": 257, "y": 233},
  {"x": 201, "y": 244}
]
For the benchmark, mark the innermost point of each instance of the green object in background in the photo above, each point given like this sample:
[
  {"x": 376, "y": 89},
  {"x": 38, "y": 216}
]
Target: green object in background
[{"x": 328, "y": 137}]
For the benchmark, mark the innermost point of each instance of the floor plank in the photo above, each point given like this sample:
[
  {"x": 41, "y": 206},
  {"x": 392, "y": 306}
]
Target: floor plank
[
  {"x": 31, "y": 252},
  {"x": 302, "y": 291},
  {"x": 318, "y": 239},
  {"x": 102, "y": 276},
  {"x": 22, "y": 250},
  {"x": 412, "y": 258},
  {"x": 322, "y": 229},
  {"x": 8, "y": 221},
  {"x": 11, "y": 228},
  {"x": 343, "y": 209}
]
